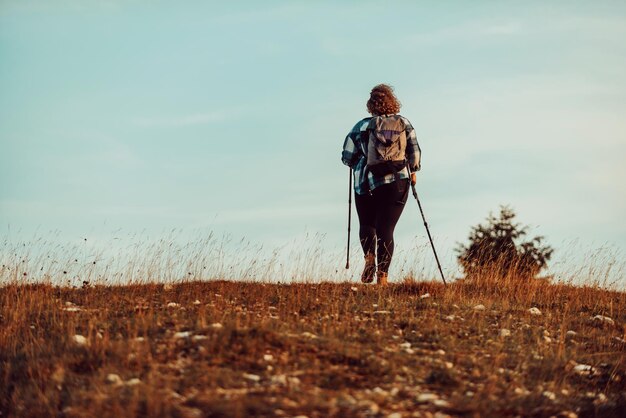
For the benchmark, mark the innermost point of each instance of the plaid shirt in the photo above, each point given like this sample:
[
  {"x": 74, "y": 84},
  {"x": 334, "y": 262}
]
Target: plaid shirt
[{"x": 354, "y": 155}]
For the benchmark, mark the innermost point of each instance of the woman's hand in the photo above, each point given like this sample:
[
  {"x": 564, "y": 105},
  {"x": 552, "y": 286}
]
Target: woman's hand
[{"x": 413, "y": 179}]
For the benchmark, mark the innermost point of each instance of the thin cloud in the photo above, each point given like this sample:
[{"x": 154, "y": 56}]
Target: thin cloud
[
  {"x": 472, "y": 32},
  {"x": 476, "y": 31},
  {"x": 502, "y": 29},
  {"x": 44, "y": 6},
  {"x": 186, "y": 120}
]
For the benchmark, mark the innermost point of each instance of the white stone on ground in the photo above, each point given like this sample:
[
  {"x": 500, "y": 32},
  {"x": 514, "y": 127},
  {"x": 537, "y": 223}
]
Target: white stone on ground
[
  {"x": 549, "y": 395},
  {"x": 79, "y": 339},
  {"x": 583, "y": 369},
  {"x": 380, "y": 391},
  {"x": 522, "y": 391},
  {"x": 601, "y": 319},
  {"x": 279, "y": 379},
  {"x": 601, "y": 398},
  {"x": 199, "y": 337},
  {"x": 426, "y": 397},
  {"x": 441, "y": 403},
  {"x": 534, "y": 311},
  {"x": 251, "y": 377},
  {"x": 114, "y": 379},
  {"x": 479, "y": 307}
]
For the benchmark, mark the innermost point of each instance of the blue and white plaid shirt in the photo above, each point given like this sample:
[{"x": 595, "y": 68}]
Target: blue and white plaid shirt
[{"x": 355, "y": 155}]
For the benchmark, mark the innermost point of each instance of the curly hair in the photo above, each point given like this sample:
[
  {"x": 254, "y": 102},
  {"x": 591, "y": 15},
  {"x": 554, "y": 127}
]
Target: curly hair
[{"x": 382, "y": 101}]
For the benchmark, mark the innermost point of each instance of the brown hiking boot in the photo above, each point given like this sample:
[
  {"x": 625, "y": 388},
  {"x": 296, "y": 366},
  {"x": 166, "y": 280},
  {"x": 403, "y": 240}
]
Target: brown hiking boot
[
  {"x": 370, "y": 268},
  {"x": 381, "y": 278}
]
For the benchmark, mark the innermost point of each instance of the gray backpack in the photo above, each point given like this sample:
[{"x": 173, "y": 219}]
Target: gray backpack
[{"x": 386, "y": 146}]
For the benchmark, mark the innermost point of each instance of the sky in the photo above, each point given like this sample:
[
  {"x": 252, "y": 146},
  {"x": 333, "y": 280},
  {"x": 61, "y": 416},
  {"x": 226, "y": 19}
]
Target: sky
[{"x": 230, "y": 117}]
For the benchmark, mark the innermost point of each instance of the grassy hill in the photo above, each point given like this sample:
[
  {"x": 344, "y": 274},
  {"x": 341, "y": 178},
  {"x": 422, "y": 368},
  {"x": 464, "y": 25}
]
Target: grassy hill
[{"x": 222, "y": 349}]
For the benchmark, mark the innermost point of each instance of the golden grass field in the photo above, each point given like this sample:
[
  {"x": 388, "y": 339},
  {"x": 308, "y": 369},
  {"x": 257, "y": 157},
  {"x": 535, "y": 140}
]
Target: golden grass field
[{"x": 237, "y": 349}]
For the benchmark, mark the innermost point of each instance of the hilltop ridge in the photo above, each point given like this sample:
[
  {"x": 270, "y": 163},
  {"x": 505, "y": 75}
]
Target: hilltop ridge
[{"x": 235, "y": 349}]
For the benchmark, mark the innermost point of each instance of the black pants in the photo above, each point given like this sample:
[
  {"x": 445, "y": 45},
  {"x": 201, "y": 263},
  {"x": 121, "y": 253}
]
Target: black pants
[{"x": 378, "y": 215}]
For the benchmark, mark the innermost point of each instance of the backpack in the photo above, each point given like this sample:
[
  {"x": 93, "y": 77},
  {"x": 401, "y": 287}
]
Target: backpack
[{"x": 386, "y": 145}]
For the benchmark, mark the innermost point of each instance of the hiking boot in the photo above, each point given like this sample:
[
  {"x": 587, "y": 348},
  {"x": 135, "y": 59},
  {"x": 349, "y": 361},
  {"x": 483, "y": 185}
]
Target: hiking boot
[
  {"x": 370, "y": 268},
  {"x": 381, "y": 278}
]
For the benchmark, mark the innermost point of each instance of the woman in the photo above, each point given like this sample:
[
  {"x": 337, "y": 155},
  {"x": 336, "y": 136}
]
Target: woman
[{"x": 380, "y": 195}]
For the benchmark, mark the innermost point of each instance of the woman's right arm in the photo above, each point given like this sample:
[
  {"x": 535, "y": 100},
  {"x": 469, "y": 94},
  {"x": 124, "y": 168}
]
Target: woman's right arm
[
  {"x": 413, "y": 151},
  {"x": 349, "y": 155}
]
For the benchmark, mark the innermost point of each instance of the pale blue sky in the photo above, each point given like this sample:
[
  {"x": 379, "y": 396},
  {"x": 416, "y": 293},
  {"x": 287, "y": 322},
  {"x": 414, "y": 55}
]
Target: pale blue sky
[{"x": 150, "y": 115}]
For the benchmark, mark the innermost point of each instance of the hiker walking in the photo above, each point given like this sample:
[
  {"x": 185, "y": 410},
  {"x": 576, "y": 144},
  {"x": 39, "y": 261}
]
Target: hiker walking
[{"x": 383, "y": 153}]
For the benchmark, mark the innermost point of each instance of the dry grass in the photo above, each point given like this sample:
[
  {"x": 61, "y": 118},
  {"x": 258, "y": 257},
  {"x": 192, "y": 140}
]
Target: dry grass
[{"x": 326, "y": 349}]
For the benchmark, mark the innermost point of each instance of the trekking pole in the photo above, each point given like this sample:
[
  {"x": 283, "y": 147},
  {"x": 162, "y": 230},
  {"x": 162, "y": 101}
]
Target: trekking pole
[
  {"x": 428, "y": 231},
  {"x": 349, "y": 217}
]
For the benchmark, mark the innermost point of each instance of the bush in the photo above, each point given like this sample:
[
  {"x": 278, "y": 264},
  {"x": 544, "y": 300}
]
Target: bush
[{"x": 497, "y": 247}]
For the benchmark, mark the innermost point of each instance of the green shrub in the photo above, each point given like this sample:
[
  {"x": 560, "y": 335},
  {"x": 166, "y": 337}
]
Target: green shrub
[{"x": 498, "y": 247}]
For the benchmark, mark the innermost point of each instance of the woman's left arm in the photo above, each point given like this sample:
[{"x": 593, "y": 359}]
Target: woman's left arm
[{"x": 413, "y": 151}]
